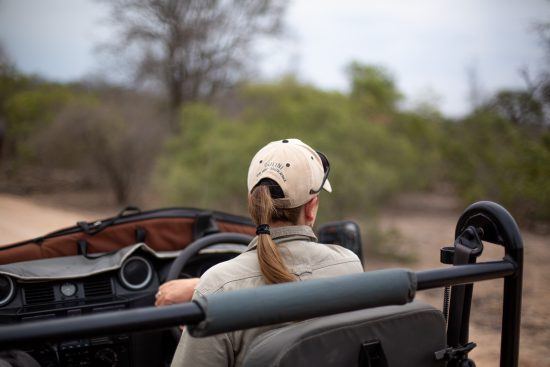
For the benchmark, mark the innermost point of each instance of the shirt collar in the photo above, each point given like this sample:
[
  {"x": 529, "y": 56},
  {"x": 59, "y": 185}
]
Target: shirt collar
[{"x": 289, "y": 233}]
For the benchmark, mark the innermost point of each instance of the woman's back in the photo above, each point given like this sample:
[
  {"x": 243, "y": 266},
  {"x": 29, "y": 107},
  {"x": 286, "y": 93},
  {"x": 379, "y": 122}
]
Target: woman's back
[{"x": 304, "y": 258}]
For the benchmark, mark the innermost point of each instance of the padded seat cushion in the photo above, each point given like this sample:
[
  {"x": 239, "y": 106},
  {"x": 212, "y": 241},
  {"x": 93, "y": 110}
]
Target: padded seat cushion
[{"x": 409, "y": 335}]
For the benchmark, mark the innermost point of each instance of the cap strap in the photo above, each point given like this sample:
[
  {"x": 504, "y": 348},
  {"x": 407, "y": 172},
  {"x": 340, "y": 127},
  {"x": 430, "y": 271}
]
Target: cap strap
[{"x": 263, "y": 229}]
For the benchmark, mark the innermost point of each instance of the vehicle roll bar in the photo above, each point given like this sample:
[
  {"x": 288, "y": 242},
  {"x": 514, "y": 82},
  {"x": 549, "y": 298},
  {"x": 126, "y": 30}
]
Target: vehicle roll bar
[
  {"x": 191, "y": 313},
  {"x": 252, "y": 307},
  {"x": 243, "y": 308}
]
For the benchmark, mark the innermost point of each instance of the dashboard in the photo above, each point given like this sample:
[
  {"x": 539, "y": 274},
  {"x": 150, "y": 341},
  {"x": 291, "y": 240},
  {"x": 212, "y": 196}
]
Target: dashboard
[{"x": 132, "y": 284}]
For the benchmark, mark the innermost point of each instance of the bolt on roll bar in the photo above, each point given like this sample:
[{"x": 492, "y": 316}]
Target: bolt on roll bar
[{"x": 223, "y": 312}]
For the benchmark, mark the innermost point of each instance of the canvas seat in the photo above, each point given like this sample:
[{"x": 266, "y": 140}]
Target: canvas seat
[{"x": 393, "y": 336}]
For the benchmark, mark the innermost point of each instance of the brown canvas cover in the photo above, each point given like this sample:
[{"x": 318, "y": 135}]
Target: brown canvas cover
[{"x": 161, "y": 229}]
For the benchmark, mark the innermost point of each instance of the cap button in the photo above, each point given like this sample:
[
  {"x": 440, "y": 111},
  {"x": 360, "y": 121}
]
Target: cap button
[{"x": 285, "y": 141}]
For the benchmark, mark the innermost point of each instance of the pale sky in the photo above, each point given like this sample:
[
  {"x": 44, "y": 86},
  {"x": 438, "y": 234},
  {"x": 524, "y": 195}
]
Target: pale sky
[{"x": 426, "y": 44}]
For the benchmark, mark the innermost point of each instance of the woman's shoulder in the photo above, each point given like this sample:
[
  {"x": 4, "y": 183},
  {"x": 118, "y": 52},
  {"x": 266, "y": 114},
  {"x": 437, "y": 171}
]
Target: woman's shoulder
[
  {"x": 316, "y": 255},
  {"x": 330, "y": 251},
  {"x": 236, "y": 272}
]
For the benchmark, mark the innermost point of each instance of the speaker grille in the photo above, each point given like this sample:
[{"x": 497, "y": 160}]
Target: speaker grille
[
  {"x": 7, "y": 289},
  {"x": 136, "y": 273}
]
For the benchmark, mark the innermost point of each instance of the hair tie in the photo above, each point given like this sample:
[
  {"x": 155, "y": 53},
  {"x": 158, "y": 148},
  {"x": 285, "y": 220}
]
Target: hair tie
[{"x": 263, "y": 229}]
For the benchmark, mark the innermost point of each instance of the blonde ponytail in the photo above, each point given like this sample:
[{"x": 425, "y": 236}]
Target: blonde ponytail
[{"x": 264, "y": 210}]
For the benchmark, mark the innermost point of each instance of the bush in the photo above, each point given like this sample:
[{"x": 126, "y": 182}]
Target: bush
[
  {"x": 491, "y": 158},
  {"x": 113, "y": 141},
  {"x": 27, "y": 112}
]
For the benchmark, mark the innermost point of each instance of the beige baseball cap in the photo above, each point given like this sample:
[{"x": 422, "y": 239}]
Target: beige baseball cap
[{"x": 295, "y": 166}]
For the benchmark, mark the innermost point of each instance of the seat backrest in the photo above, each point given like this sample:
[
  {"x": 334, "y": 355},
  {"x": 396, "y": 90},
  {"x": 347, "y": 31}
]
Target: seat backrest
[{"x": 393, "y": 336}]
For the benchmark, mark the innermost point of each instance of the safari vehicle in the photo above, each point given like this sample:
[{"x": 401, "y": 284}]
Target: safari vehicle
[{"x": 83, "y": 296}]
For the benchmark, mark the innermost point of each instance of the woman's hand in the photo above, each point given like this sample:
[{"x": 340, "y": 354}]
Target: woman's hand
[{"x": 176, "y": 291}]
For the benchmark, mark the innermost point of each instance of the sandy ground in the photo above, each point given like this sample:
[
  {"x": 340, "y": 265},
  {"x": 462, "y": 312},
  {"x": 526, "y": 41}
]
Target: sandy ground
[
  {"x": 424, "y": 223},
  {"x": 23, "y": 218}
]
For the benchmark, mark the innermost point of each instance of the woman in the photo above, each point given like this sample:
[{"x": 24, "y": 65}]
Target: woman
[{"x": 284, "y": 180}]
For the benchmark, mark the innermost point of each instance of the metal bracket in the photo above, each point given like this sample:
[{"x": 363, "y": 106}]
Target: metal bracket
[{"x": 454, "y": 354}]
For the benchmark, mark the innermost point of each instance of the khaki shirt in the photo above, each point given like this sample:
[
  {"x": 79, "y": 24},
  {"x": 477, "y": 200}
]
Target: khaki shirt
[{"x": 303, "y": 256}]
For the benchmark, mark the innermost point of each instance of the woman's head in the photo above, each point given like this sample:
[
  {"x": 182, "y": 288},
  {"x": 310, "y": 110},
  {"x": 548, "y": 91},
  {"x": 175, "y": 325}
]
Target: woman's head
[
  {"x": 299, "y": 171},
  {"x": 284, "y": 180}
]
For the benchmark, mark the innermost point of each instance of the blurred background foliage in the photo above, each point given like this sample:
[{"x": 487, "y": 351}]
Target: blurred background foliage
[
  {"x": 370, "y": 161},
  {"x": 114, "y": 138},
  {"x": 190, "y": 143}
]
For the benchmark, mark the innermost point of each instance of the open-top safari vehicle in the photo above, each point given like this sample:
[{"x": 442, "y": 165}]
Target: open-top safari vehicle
[{"x": 83, "y": 296}]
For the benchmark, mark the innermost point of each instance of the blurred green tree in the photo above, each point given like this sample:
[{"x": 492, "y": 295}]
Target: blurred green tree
[
  {"x": 28, "y": 109},
  {"x": 520, "y": 107},
  {"x": 491, "y": 158},
  {"x": 373, "y": 89}
]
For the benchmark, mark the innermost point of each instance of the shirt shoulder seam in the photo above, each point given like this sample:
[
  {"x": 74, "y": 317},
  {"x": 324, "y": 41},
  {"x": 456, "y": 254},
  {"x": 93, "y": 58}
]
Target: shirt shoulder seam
[
  {"x": 327, "y": 264},
  {"x": 205, "y": 290}
]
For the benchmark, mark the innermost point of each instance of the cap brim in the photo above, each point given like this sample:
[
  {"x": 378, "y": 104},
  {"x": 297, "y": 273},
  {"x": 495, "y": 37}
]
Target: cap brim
[{"x": 327, "y": 186}]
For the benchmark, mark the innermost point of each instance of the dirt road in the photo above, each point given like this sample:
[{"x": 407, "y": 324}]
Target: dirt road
[
  {"x": 424, "y": 223},
  {"x": 24, "y": 218}
]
